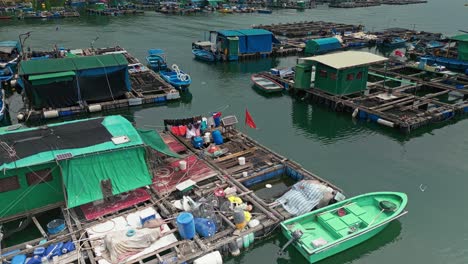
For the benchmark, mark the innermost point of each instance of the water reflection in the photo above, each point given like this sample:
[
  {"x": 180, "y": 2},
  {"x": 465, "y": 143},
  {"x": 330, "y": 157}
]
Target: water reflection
[
  {"x": 319, "y": 122},
  {"x": 249, "y": 66}
]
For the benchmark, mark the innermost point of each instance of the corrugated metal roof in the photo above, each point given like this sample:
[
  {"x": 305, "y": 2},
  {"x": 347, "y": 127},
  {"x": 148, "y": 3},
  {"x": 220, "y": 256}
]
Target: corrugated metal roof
[
  {"x": 254, "y": 32},
  {"x": 229, "y": 33},
  {"x": 323, "y": 41},
  {"x": 463, "y": 37},
  {"x": 31, "y": 67},
  {"x": 346, "y": 59},
  {"x": 244, "y": 32}
]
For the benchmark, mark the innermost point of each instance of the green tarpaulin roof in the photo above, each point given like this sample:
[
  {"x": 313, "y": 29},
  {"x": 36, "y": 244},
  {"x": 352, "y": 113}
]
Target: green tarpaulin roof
[
  {"x": 126, "y": 170},
  {"x": 84, "y": 169},
  {"x": 115, "y": 125},
  {"x": 51, "y": 77},
  {"x": 463, "y": 37},
  {"x": 154, "y": 140},
  {"x": 32, "y": 67}
]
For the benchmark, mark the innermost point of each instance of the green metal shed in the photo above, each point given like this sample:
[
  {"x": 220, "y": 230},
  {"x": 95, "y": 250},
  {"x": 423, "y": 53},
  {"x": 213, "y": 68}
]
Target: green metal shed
[
  {"x": 462, "y": 46},
  {"x": 341, "y": 73}
]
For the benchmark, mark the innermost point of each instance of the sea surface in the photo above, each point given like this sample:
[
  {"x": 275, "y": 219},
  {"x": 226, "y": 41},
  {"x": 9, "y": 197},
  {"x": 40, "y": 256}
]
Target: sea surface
[{"x": 430, "y": 165}]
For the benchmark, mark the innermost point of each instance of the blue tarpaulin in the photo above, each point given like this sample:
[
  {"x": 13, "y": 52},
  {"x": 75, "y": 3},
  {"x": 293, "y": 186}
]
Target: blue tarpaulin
[{"x": 251, "y": 40}]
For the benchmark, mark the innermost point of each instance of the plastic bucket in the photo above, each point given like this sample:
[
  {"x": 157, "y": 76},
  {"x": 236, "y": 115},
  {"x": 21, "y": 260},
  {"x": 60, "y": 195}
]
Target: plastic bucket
[
  {"x": 206, "y": 138},
  {"x": 186, "y": 225},
  {"x": 182, "y": 165},
  {"x": 241, "y": 160},
  {"x": 56, "y": 226}
]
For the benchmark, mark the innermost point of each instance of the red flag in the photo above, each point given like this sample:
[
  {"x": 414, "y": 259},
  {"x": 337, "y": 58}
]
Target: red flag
[{"x": 248, "y": 120}]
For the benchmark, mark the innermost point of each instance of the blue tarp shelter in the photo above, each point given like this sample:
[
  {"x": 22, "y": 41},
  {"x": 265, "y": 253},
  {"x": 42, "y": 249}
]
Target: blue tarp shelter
[
  {"x": 323, "y": 45},
  {"x": 251, "y": 40}
]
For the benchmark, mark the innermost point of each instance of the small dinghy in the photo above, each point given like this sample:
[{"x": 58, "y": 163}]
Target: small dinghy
[
  {"x": 202, "y": 51},
  {"x": 327, "y": 231},
  {"x": 176, "y": 77},
  {"x": 156, "y": 59},
  {"x": 266, "y": 84}
]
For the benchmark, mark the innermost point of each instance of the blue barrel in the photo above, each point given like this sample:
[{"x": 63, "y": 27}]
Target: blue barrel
[
  {"x": 205, "y": 227},
  {"x": 186, "y": 225},
  {"x": 217, "y": 119},
  {"x": 217, "y": 137},
  {"x": 197, "y": 142}
]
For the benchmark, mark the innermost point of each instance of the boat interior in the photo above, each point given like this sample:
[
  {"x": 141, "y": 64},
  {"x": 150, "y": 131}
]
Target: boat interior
[{"x": 324, "y": 227}]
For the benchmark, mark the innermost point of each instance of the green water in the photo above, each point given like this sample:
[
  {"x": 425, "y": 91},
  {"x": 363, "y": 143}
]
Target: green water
[{"x": 357, "y": 156}]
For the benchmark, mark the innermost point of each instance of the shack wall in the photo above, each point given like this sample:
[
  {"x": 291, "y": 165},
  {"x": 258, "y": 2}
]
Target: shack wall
[
  {"x": 31, "y": 194},
  {"x": 463, "y": 50},
  {"x": 340, "y": 82}
]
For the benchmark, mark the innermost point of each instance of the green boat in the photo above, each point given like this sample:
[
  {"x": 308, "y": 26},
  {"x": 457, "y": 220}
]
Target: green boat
[{"x": 327, "y": 231}]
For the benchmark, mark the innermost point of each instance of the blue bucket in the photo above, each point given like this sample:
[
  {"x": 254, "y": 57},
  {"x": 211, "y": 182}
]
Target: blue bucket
[
  {"x": 186, "y": 225},
  {"x": 56, "y": 226}
]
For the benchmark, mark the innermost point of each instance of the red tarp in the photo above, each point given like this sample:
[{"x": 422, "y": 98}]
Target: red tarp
[
  {"x": 173, "y": 144},
  {"x": 169, "y": 175},
  {"x": 121, "y": 201}
]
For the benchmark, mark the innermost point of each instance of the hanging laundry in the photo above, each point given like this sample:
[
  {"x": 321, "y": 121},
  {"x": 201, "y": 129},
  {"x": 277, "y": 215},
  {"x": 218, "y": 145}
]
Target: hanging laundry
[
  {"x": 175, "y": 130},
  {"x": 190, "y": 131},
  {"x": 182, "y": 130}
]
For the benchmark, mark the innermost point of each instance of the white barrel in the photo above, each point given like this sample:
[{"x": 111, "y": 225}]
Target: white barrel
[
  {"x": 245, "y": 174},
  {"x": 206, "y": 138},
  {"x": 51, "y": 114},
  {"x": 182, "y": 165},
  {"x": 241, "y": 160},
  {"x": 94, "y": 108},
  {"x": 385, "y": 122},
  {"x": 212, "y": 258},
  {"x": 135, "y": 101}
]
